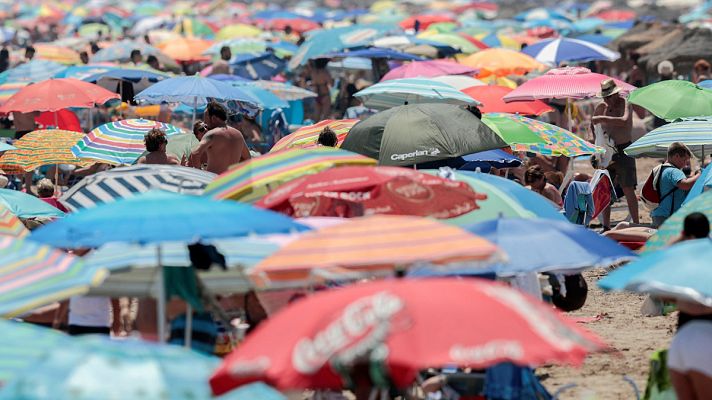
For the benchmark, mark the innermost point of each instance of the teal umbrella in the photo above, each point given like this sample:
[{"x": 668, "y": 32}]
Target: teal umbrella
[
  {"x": 696, "y": 133},
  {"x": 24, "y": 205},
  {"x": 673, "y": 225},
  {"x": 673, "y": 99}
]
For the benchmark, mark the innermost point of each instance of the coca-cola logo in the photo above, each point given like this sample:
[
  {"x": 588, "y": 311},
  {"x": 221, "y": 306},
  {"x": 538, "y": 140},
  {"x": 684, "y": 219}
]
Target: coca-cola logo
[
  {"x": 487, "y": 352},
  {"x": 362, "y": 325},
  {"x": 410, "y": 190},
  {"x": 247, "y": 368}
]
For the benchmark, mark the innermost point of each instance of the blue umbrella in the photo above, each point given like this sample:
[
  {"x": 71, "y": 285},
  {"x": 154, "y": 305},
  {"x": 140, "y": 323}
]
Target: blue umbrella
[
  {"x": 541, "y": 13},
  {"x": 229, "y": 78},
  {"x": 586, "y": 24},
  {"x": 675, "y": 272},
  {"x": 81, "y": 71},
  {"x": 355, "y": 63},
  {"x": 707, "y": 84},
  {"x": 703, "y": 182},
  {"x": 375, "y": 52},
  {"x": 24, "y": 205},
  {"x": 538, "y": 245},
  {"x": 488, "y": 159},
  {"x": 127, "y": 74},
  {"x": 257, "y": 66},
  {"x": 266, "y": 98},
  {"x": 397, "y": 92},
  {"x": 33, "y": 71},
  {"x": 601, "y": 40},
  {"x": 555, "y": 51}
]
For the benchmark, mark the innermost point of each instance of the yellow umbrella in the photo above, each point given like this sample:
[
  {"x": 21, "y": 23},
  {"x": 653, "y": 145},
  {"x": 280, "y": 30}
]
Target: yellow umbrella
[
  {"x": 499, "y": 81},
  {"x": 62, "y": 55},
  {"x": 238, "y": 31},
  {"x": 42, "y": 147},
  {"x": 382, "y": 5},
  {"x": 502, "y": 62}
]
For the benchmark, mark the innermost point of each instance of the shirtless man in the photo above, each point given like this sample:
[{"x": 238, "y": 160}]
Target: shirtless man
[
  {"x": 615, "y": 116},
  {"x": 156, "y": 142},
  {"x": 223, "y": 145},
  {"x": 321, "y": 83}
]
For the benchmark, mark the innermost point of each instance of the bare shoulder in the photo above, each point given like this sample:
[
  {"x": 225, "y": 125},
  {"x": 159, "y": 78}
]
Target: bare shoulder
[
  {"x": 600, "y": 108},
  {"x": 235, "y": 133}
]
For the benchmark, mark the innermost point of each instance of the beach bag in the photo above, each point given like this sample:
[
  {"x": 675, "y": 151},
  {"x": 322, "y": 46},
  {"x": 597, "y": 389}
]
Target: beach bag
[{"x": 650, "y": 193}]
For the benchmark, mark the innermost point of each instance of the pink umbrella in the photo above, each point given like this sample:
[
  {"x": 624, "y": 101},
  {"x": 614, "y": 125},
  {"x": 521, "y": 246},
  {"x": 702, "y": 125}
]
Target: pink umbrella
[
  {"x": 428, "y": 69},
  {"x": 563, "y": 83}
]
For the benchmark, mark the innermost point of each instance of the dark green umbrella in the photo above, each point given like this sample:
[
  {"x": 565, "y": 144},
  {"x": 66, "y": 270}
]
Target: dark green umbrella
[{"x": 420, "y": 133}]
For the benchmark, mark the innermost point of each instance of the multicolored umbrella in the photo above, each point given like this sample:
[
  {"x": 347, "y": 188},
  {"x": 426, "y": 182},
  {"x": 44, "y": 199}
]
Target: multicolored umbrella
[
  {"x": 10, "y": 225},
  {"x": 255, "y": 178},
  {"x": 120, "y": 142},
  {"x": 398, "y": 92},
  {"x": 555, "y": 51},
  {"x": 427, "y": 69},
  {"x": 695, "y": 133},
  {"x": 491, "y": 97},
  {"x": 56, "y": 94},
  {"x": 502, "y": 62},
  {"x": 43, "y": 147},
  {"x": 389, "y": 324},
  {"x": 61, "y": 55},
  {"x": 33, "y": 275},
  {"x": 674, "y": 99},
  {"x": 672, "y": 226},
  {"x": 558, "y": 141},
  {"x": 306, "y": 137},
  {"x": 369, "y": 246},
  {"x": 498, "y": 40}
]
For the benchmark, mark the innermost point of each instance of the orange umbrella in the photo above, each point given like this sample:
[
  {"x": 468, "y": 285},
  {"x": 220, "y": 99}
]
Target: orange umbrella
[
  {"x": 59, "y": 54},
  {"x": 502, "y": 62},
  {"x": 186, "y": 49}
]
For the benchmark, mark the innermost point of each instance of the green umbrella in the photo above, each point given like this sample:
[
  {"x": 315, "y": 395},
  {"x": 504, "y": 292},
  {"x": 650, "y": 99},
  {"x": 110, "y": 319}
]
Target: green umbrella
[
  {"x": 512, "y": 131},
  {"x": 673, "y": 225},
  {"x": 673, "y": 99},
  {"x": 419, "y": 133}
]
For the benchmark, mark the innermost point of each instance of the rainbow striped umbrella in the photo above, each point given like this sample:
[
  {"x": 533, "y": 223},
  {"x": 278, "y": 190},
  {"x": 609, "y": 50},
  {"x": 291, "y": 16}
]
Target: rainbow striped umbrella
[
  {"x": 42, "y": 147},
  {"x": 10, "y": 225},
  {"x": 119, "y": 142},
  {"x": 10, "y": 88},
  {"x": 33, "y": 275},
  {"x": 253, "y": 179},
  {"x": 307, "y": 136},
  {"x": 58, "y": 54}
]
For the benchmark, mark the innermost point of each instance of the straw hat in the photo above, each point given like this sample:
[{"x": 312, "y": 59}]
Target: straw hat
[
  {"x": 666, "y": 68},
  {"x": 608, "y": 88}
]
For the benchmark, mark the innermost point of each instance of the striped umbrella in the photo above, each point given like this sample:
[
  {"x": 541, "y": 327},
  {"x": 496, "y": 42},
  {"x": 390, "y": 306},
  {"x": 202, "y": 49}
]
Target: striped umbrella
[
  {"x": 42, "y": 147},
  {"x": 33, "y": 275},
  {"x": 123, "y": 182},
  {"x": 119, "y": 142},
  {"x": 559, "y": 142},
  {"x": 555, "y": 51},
  {"x": 10, "y": 225},
  {"x": 374, "y": 245},
  {"x": 8, "y": 89},
  {"x": 397, "y": 92},
  {"x": 307, "y": 136},
  {"x": 58, "y": 54},
  {"x": 253, "y": 179},
  {"x": 696, "y": 133}
]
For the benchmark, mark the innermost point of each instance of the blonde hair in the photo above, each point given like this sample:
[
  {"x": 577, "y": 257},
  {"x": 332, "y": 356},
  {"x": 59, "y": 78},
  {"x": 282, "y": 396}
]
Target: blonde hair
[{"x": 45, "y": 188}]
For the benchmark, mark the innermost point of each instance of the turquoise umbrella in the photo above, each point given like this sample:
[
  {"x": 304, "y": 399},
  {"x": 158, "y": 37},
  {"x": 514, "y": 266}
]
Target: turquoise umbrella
[
  {"x": 673, "y": 225},
  {"x": 24, "y": 205},
  {"x": 696, "y": 133},
  {"x": 398, "y": 92}
]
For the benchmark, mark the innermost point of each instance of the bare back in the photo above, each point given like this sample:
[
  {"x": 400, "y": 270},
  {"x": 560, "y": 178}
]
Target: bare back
[
  {"x": 224, "y": 147},
  {"x": 621, "y": 133}
]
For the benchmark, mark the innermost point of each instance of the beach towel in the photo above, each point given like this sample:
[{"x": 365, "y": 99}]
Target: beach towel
[
  {"x": 578, "y": 203},
  {"x": 602, "y": 192},
  {"x": 507, "y": 381}
]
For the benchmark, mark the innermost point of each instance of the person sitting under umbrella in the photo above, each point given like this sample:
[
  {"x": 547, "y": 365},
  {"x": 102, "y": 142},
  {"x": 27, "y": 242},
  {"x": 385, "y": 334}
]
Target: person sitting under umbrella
[
  {"x": 535, "y": 179},
  {"x": 156, "y": 142},
  {"x": 327, "y": 137},
  {"x": 222, "y": 145}
]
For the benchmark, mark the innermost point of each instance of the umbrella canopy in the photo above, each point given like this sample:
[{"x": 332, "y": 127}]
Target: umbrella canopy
[
  {"x": 502, "y": 62},
  {"x": 250, "y": 180},
  {"x": 427, "y": 69},
  {"x": 32, "y": 71},
  {"x": 139, "y": 77},
  {"x": 62, "y": 119},
  {"x": 398, "y": 92},
  {"x": 257, "y": 66},
  {"x": 156, "y": 217},
  {"x": 558, "y": 141},
  {"x": 121, "y": 52},
  {"x": 369, "y": 246},
  {"x": 459, "y": 41},
  {"x": 10, "y": 225},
  {"x": 564, "y": 83},
  {"x": 35, "y": 275},
  {"x": 125, "y": 182},
  {"x": 673, "y": 99},
  {"x": 307, "y": 136},
  {"x": 525, "y": 242},
  {"x": 238, "y": 31},
  {"x": 424, "y": 20},
  {"x": 498, "y": 40},
  {"x": 185, "y": 49},
  {"x": 556, "y": 51},
  {"x": 491, "y": 97},
  {"x": 486, "y": 323},
  {"x": 358, "y": 191},
  {"x": 43, "y": 147},
  {"x": 242, "y": 46},
  {"x": 56, "y": 94},
  {"x": 419, "y": 133},
  {"x": 58, "y": 54},
  {"x": 490, "y": 159},
  {"x": 695, "y": 133},
  {"x": 459, "y": 82},
  {"x": 285, "y": 91},
  {"x": 672, "y": 226},
  {"x": 193, "y": 91},
  {"x": 376, "y": 52},
  {"x": 120, "y": 142},
  {"x": 25, "y": 205}
]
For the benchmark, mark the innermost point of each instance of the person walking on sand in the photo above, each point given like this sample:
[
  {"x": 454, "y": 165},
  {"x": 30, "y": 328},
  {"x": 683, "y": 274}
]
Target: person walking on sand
[
  {"x": 674, "y": 184},
  {"x": 156, "y": 142},
  {"x": 614, "y": 115},
  {"x": 222, "y": 145}
]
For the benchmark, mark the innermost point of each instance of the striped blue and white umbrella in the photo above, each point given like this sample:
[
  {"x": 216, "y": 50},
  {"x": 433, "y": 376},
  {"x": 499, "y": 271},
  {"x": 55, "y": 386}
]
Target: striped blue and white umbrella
[
  {"x": 696, "y": 133},
  {"x": 398, "y": 92},
  {"x": 118, "y": 183},
  {"x": 555, "y": 51}
]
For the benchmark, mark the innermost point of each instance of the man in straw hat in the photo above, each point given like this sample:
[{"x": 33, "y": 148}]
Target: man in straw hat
[{"x": 615, "y": 117}]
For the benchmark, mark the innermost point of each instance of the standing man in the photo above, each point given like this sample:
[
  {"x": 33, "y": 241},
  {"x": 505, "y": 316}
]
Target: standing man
[
  {"x": 222, "y": 66},
  {"x": 615, "y": 116},
  {"x": 222, "y": 145},
  {"x": 674, "y": 184}
]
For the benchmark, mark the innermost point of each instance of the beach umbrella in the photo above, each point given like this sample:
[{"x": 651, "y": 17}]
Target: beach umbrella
[
  {"x": 251, "y": 180},
  {"x": 502, "y": 62},
  {"x": 121, "y": 52},
  {"x": 299, "y": 25},
  {"x": 599, "y": 39},
  {"x": 672, "y": 226},
  {"x": 56, "y": 94},
  {"x": 525, "y": 243},
  {"x": 42, "y": 147},
  {"x": 306, "y": 137},
  {"x": 266, "y": 98},
  {"x": 82, "y": 71},
  {"x": 285, "y": 91},
  {"x": 32, "y": 71},
  {"x": 459, "y": 82},
  {"x": 425, "y": 20},
  {"x": 673, "y": 99},
  {"x": 564, "y": 83},
  {"x": 358, "y": 191},
  {"x": 419, "y": 133},
  {"x": 614, "y": 15},
  {"x": 124, "y": 182},
  {"x": 253, "y": 45},
  {"x": 398, "y": 92},
  {"x": 185, "y": 49},
  {"x": 498, "y": 40},
  {"x": 484, "y": 160},
  {"x": 370, "y": 246},
  {"x": 462, "y": 42},
  {"x": 238, "y": 31},
  {"x": 62, "y": 119},
  {"x": 491, "y": 97},
  {"x": 34, "y": 275},
  {"x": 486, "y": 323},
  {"x": 695, "y": 133},
  {"x": 375, "y": 52},
  {"x": 556, "y": 51},
  {"x": 25, "y": 205},
  {"x": 140, "y": 78},
  {"x": 10, "y": 225},
  {"x": 61, "y": 55},
  {"x": 558, "y": 141},
  {"x": 8, "y": 89},
  {"x": 193, "y": 91},
  {"x": 427, "y": 69},
  {"x": 540, "y": 13},
  {"x": 257, "y": 66},
  {"x": 120, "y": 142},
  {"x": 193, "y": 27}
]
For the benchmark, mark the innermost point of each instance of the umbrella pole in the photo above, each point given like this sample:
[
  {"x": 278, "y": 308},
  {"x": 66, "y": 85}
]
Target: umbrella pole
[
  {"x": 56, "y": 120},
  {"x": 195, "y": 105},
  {"x": 161, "y": 303},
  {"x": 188, "y": 325}
]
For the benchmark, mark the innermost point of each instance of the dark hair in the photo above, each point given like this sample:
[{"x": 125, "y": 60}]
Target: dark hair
[
  {"x": 199, "y": 126},
  {"x": 321, "y": 63},
  {"x": 327, "y": 137},
  {"x": 678, "y": 149},
  {"x": 476, "y": 111},
  {"x": 151, "y": 59},
  {"x": 224, "y": 49},
  {"x": 135, "y": 52},
  {"x": 29, "y": 49},
  {"x": 216, "y": 109},
  {"x": 533, "y": 174},
  {"x": 696, "y": 225},
  {"x": 154, "y": 139}
]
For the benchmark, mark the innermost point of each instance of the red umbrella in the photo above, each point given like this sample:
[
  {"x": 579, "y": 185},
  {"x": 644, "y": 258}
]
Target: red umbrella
[
  {"x": 425, "y": 20},
  {"x": 57, "y": 94},
  {"x": 62, "y": 119},
  {"x": 299, "y": 25},
  {"x": 616, "y": 15},
  {"x": 357, "y": 191},
  {"x": 402, "y": 326},
  {"x": 491, "y": 99}
]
